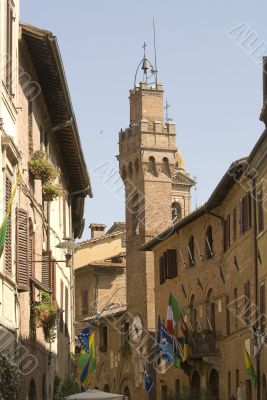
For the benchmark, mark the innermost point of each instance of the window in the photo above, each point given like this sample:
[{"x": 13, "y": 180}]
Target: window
[
  {"x": 177, "y": 389},
  {"x": 236, "y": 308},
  {"x": 165, "y": 167},
  {"x": 103, "y": 332},
  {"x": 49, "y": 272},
  {"x": 9, "y": 46},
  {"x": 191, "y": 252},
  {"x": 262, "y": 307},
  {"x": 228, "y": 327},
  {"x": 31, "y": 248},
  {"x": 245, "y": 213},
  {"x": 152, "y": 166},
  {"x": 135, "y": 206},
  {"x": 171, "y": 263},
  {"x": 209, "y": 243},
  {"x": 192, "y": 313},
  {"x": 226, "y": 232},
  {"x": 8, "y": 242},
  {"x": 123, "y": 242},
  {"x": 162, "y": 277},
  {"x": 176, "y": 210},
  {"x": 236, "y": 379},
  {"x": 22, "y": 248},
  {"x": 66, "y": 311},
  {"x": 125, "y": 332},
  {"x": 85, "y": 302},
  {"x": 247, "y": 302},
  {"x": 234, "y": 224},
  {"x": 260, "y": 207},
  {"x": 229, "y": 384}
]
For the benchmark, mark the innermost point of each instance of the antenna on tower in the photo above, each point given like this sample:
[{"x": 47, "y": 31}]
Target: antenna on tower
[
  {"x": 167, "y": 106},
  {"x": 155, "y": 52}
]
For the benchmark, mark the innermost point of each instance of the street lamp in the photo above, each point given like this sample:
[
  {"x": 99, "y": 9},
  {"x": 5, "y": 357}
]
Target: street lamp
[{"x": 69, "y": 245}]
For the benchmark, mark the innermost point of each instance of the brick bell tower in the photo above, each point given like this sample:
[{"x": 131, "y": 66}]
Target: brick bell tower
[{"x": 147, "y": 157}]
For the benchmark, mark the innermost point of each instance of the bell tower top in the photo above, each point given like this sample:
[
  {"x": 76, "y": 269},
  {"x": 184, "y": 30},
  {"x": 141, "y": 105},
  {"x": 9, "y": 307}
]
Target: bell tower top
[{"x": 146, "y": 103}]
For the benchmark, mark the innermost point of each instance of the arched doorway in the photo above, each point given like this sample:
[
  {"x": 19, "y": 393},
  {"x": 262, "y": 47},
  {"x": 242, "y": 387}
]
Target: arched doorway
[
  {"x": 263, "y": 388},
  {"x": 126, "y": 392},
  {"x": 43, "y": 389},
  {"x": 32, "y": 391},
  {"x": 106, "y": 388},
  {"x": 214, "y": 385},
  {"x": 195, "y": 383}
]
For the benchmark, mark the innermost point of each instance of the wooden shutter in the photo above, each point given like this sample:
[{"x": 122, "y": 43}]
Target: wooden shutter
[
  {"x": 66, "y": 311},
  {"x": 247, "y": 302},
  {"x": 171, "y": 264},
  {"x": 46, "y": 269},
  {"x": 22, "y": 245},
  {"x": 260, "y": 211},
  {"x": 234, "y": 224},
  {"x": 262, "y": 308},
  {"x": 61, "y": 305},
  {"x": 245, "y": 213},
  {"x": 161, "y": 270},
  {"x": 227, "y": 232},
  {"x": 53, "y": 278},
  {"x": 8, "y": 243}
]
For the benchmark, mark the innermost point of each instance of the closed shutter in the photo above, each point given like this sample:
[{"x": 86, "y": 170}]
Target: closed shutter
[
  {"x": 22, "y": 236},
  {"x": 53, "y": 278},
  {"x": 171, "y": 264},
  {"x": 8, "y": 244},
  {"x": 234, "y": 224},
  {"x": 262, "y": 308},
  {"x": 161, "y": 271},
  {"x": 61, "y": 306},
  {"x": 66, "y": 311},
  {"x": 245, "y": 213},
  {"x": 46, "y": 269}
]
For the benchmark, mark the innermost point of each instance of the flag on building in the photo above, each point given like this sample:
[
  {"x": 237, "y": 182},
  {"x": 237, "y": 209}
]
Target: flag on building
[
  {"x": 84, "y": 338},
  {"x": 91, "y": 363},
  {"x": 148, "y": 381},
  {"x": 186, "y": 348},
  {"x": 165, "y": 344},
  {"x": 174, "y": 313},
  {"x": 250, "y": 369},
  {"x": 258, "y": 339}
]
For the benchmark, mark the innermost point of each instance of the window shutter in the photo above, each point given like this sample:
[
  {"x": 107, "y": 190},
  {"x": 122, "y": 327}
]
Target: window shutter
[
  {"x": 46, "y": 269},
  {"x": 171, "y": 263},
  {"x": 234, "y": 224},
  {"x": 66, "y": 311},
  {"x": 53, "y": 278},
  {"x": 8, "y": 243},
  {"x": 22, "y": 237},
  {"x": 61, "y": 306},
  {"x": 161, "y": 271},
  {"x": 241, "y": 217}
]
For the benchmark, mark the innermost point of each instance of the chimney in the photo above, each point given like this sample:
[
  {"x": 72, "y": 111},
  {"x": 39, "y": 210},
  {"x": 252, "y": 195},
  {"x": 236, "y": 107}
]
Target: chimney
[{"x": 97, "y": 230}]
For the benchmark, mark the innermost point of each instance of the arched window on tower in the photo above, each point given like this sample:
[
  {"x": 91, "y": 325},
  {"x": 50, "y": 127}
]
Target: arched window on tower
[
  {"x": 208, "y": 243},
  {"x": 176, "y": 211},
  {"x": 165, "y": 167},
  {"x": 191, "y": 252},
  {"x": 152, "y": 166},
  {"x": 135, "y": 207}
]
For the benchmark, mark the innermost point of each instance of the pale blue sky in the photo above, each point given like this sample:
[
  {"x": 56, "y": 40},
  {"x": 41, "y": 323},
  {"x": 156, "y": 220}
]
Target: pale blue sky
[{"x": 214, "y": 86}]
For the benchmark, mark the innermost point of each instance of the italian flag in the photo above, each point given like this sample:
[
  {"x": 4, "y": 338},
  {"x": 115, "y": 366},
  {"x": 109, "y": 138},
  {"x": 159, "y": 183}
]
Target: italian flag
[
  {"x": 250, "y": 369},
  {"x": 175, "y": 312}
]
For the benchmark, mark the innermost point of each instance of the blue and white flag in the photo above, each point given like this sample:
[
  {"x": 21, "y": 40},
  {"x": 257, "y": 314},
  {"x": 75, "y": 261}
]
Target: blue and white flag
[
  {"x": 84, "y": 338},
  {"x": 148, "y": 381},
  {"x": 165, "y": 344}
]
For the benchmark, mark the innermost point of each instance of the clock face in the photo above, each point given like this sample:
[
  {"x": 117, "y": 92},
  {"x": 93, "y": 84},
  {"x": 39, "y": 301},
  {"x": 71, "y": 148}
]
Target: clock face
[{"x": 137, "y": 329}]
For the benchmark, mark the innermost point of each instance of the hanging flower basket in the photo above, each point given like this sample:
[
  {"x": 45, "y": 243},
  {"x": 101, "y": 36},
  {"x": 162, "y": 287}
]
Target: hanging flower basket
[
  {"x": 51, "y": 190},
  {"x": 46, "y": 314},
  {"x": 42, "y": 168}
]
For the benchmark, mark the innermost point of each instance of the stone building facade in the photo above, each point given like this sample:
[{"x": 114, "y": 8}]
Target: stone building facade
[
  {"x": 36, "y": 114},
  {"x": 219, "y": 277},
  {"x": 100, "y": 297}
]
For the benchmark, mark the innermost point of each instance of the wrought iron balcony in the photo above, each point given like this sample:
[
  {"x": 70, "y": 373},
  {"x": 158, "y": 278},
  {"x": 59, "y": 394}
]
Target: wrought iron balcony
[{"x": 204, "y": 344}]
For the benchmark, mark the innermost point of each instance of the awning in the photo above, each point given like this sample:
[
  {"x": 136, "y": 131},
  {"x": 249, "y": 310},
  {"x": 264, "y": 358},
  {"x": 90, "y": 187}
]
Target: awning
[{"x": 94, "y": 394}]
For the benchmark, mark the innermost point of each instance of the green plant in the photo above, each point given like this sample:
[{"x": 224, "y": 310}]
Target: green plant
[
  {"x": 125, "y": 349},
  {"x": 68, "y": 387},
  {"x": 41, "y": 165},
  {"x": 52, "y": 189},
  {"x": 46, "y": 313},
  {"x": 9, "y": 379}
]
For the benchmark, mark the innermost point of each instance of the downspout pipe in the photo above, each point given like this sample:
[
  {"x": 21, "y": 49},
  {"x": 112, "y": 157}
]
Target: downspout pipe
[{"x": 256, "y": 278}]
